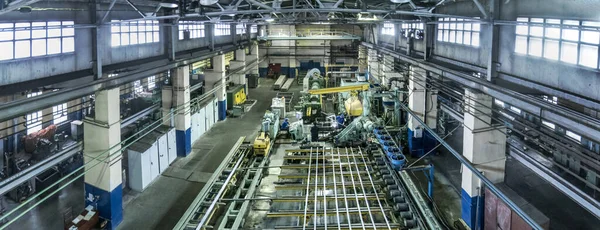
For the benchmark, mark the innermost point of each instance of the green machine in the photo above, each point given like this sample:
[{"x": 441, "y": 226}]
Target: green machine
[
  {"x": 236, "y": 95},
  {"x": 310, "y": 105}
]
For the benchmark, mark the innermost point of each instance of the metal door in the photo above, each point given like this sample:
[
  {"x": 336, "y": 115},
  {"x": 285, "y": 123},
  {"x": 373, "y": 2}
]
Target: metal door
[
  {"x": 172, "y": 145},
  {"x": 163, "y": 154},
  {"x": 154, "y": 169}
]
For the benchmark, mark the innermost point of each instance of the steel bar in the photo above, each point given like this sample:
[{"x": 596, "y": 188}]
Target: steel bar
[
  {"x": 352, "y": 211},
  {"x": 348, "y": 220},
  {"x": 341, "y": 227},
  {"x": 315, "y": 205},
  {"x": 475, "y": 171},
  {"x": 327, "y": 186},
  {"x": 337, "y": 208},
  {"x": 323, "y": 192},
  {"x": 218, "y": 195},
  {"x": 303, "y": 176},
  {"x": 370, "y": 196},
  {"x": 363, "y": 190},
  {"x": 387, "y": 222},
  {"x": 198, "y": 201},
  {"x": 307, "y": 191},
  {"x": 356, "y": 197},
  {"x": 308, "y": 157}
]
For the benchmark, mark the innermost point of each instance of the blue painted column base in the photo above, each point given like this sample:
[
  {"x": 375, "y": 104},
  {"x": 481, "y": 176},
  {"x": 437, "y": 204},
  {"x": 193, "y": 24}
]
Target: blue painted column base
[
  {"x": 470, "y": 211},
  {"x": 184, "y": 142},
  {"x": 222, "y": 106},
  {"x": 419, "y": 146},
  {"x": 108, "y": 204},
  {"x": 262, "y": 72}
]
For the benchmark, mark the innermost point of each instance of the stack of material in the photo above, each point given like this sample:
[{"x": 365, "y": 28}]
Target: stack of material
[
  {"x": 278, "y": 103},
  {"x": 286, "y": 86},
  {"x": 280, "y": 81}
]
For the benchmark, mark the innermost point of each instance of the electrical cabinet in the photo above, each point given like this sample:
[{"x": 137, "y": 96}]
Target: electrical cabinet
[
  {"x": 142, "y": 165},
  {"x": 172, "y": 145},
  {"x": 194, "y": 127}
]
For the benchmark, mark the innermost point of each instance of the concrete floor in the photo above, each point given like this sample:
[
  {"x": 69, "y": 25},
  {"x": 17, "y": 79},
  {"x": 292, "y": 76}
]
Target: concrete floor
[{"x": 162, "y": 204}]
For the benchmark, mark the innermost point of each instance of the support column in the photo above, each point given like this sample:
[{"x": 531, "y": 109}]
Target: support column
[
  {"x": 167, "y": 105},
  {"x": 239, "y": 64},
  {"x": 424, "y": 104},
  {"x": 254, "y": 56},
  {"x": 363, "y": 63},
  {"x": 103, "y": 179},
  {"x": 213, "y": 77},
  {"x": 485, "y": 147},
  {"x": 181, "y": 102}
]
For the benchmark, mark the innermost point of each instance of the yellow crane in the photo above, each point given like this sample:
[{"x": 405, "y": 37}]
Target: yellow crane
[{"x": 353, "y": 105}]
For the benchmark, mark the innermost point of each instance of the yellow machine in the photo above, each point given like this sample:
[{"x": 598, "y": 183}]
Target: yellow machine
[
  {"x": 262, "y": 144},
  {"x": 352, "y": 105}
]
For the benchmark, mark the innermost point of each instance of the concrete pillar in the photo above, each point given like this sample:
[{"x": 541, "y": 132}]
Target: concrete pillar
[
  {"x": 424, "y": 104},
  {"x": 217, "y": 74},
  {"x": 47, "y": 117},
  {"x": 254, "y": 55},
  {"x": 181, "y": 103},
  {"x": 485, "y": 147},
  {"x": 167, "y": 105},
  {"x": 103, "y": 188},
  {"x": 239, "y": 63}
]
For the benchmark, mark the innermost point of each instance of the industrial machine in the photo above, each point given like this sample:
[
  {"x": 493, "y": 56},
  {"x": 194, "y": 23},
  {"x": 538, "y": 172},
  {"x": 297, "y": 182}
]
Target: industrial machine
[
  {"x": 310, "y": 105},
  {"x": 236, "y": 95},
  {"x": 262, "y": 144}
]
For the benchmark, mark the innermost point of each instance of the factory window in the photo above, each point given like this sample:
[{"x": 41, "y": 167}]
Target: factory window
[
  {"x": 34, "y": 39},
  {"x": 553, "y": 100},
  {"x": 569, "y": 41},
  {"x": 254, "y": 29},
  {"x": 151, "y": 82},
  {"x": 133, "y": 33},
  {"x": 59, "y": 113},
  {"x": 456, "y": 30},
  {"x": 195, "y": 29},
  {"x": 222, "y": 29},
  {"x": 414, "y": 30},
  {"x": 499, "y": 103},
  {"x": 574, "y": 136},
  {"x": 515, "y": 109},
  {"x": 549, "y": 125},
  {"x": 240, "y": 29},
  {"x": 34, "y": 120},
  {"x": 137, "y": 86},
  {"x": 388, "y": 28}
]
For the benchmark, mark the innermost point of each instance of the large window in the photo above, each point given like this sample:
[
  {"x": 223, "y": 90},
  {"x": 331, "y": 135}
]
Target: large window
[
  {"x": 195, "y": 29},
  {"x": 414, "y": 30},
  {"x": 222, "y": 29},
  {"x": 33, "y": 120},
  {"x": 388, "y": 28},
  {"x": 133, "y": 33},
  {"x": 559, "y": 40},
  {"x": 33, "y": 39},
  {"x": 240, "y": 29},
  {"x": 59, "y": 113},
  {"x": 137, "y": 86},
  {"x": 254, "y": 29},
  {"x": 151, "y": 82},
  {"x": 456, "y": 30}
]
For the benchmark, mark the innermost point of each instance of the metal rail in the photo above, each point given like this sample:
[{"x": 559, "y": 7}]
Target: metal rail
[
  {"x": 475, "y": 171},
  {"x": 14, "y": 181},
  {"x": 189, "y": 219}
]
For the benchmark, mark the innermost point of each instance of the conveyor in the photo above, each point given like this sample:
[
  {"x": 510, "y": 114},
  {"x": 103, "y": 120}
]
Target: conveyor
[{"x": 316, "y": 188}]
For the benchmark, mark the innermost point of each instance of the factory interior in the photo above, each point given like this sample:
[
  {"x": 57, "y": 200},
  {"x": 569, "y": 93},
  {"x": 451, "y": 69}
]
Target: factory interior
[{"x": 300, "y": 114}]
